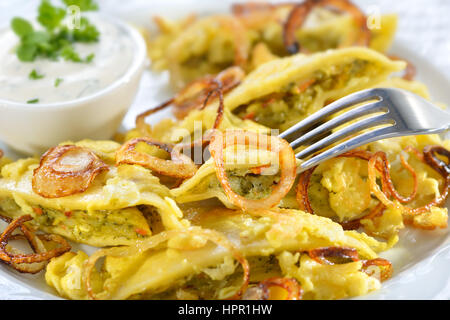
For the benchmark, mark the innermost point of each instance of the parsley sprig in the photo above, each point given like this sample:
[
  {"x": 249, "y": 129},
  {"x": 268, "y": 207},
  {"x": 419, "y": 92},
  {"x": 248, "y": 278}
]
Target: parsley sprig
[
  {"x": 56, "y": 39},
  {"x": 34, "y": 75}
]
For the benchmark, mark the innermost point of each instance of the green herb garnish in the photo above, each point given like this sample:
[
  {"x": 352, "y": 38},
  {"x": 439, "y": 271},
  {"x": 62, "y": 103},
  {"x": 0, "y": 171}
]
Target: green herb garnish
[
  {"x": 84, "y": 5},
  {"x": 58, "y": 82},
  {"x": 34, "y": 75},
  {"x": 33, "y": 101},
  {"x": 21, "y": 26},
  {"x": 56, "y": 39},
  {"x": 50, "y": 16}
]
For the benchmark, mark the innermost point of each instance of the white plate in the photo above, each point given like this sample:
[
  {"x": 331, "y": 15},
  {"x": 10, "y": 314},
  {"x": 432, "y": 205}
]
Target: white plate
[{"x": 421, "y": 259}]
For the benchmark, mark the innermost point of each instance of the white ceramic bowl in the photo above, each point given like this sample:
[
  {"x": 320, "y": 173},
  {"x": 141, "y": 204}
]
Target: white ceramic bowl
[{"x": 33, "y": 128}]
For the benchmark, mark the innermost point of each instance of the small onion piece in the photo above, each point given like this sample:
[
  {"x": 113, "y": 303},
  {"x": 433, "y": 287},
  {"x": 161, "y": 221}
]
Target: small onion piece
[
  {"x": 34, "y": 262},
  {"x": 292, "y": 287},
  {"x": 300, "y": 12},
  {"x": 66, "y": 170},
  {"x": 180, "y": 166},
  {"x": 320, "y": 255},
  {"x": 160, "y": 238},
  {"x": 287, "y": 163}
]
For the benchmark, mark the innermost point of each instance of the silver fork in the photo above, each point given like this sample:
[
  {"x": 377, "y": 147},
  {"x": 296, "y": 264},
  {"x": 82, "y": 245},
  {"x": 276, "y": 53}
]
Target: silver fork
[{"x": 403, "y": 113}]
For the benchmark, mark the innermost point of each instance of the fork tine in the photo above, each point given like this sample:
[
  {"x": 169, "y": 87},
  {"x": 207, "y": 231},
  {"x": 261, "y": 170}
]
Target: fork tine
[
  {"x": 303, "y": 126},
  {"x": 366, "y": 109},
  {"x": 344, "y": 133},
  {"x": 367, "y": 137}
]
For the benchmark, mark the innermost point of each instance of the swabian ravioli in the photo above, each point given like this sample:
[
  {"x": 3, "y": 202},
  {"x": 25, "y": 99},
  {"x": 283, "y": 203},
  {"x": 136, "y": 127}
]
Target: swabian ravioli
[
  {"x": 104, "y": 215},
  {"x": 269, "y": 97},
  {"x": 192, "y": 48},
  {"x": 281, "y": 92},
  {"x": 165, "y": 271}
]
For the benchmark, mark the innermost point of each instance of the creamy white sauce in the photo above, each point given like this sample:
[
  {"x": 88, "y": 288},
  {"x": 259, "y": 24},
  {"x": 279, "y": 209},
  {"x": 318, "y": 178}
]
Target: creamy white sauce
[{"x": 113, "y": 56}]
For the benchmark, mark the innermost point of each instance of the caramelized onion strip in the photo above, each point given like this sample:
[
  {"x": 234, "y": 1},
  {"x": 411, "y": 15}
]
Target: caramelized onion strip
[
  {"x": 206, "y": 138},
  {"x": 141, "y": 126},
  {"x": 429, "y": 157},
  {"x": 300, "y": 12},
  {"x": 180, "y": 166},
  {"x": 321, "y": 254},
  {"x": 194, "y": 95},
  {"x": 66, "y": 170}
]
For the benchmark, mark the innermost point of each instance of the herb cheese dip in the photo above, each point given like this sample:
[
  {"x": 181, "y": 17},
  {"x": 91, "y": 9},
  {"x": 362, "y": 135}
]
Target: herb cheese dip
[{"x": 51, "y": 81}]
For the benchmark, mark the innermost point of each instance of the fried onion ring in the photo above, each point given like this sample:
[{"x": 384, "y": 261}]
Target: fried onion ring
[
  {"x": 270, "y": 143},
  {"x": 384, "y": 265},
  {"x": 66, "y": 170},
  {"x": 262, "y": 290},
  {"x": 387, "y": 184},
  {"x": 155, "y": 241},
  {"x": 300, "y": 12},
  {"x": 194, "y": 95},
  {"x": 180, "y": 166},
  {"x": 34, "y": 262},
  {"x": 438, "y": 165}
]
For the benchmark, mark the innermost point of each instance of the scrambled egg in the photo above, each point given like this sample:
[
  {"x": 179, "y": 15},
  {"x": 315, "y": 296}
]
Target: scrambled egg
[{"x": 105, "y": 214}]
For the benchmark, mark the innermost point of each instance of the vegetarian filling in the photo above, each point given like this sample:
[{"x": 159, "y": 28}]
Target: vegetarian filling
[
  {"x": 244, "y": 182},
  {"x": 297, "y": 100},
  {"x": 219, "y": 282},
  {"x": 120, "y": 226}
]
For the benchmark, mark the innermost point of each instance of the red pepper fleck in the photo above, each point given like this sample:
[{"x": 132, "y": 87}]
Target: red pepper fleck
[
  {"x": 249, "y": 116},
  {"x": 140, "y": 231},
  {"x": 68, "y": 214},
  {"x": 38, "y": 211}
]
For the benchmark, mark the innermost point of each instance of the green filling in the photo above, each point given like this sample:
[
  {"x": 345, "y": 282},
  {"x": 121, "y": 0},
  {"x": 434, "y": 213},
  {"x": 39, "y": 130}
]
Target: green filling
[
  {"x": 293, "y": 103},
  {"x": 77, "y": 225},
  {"x": 202, "y": 287}
]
